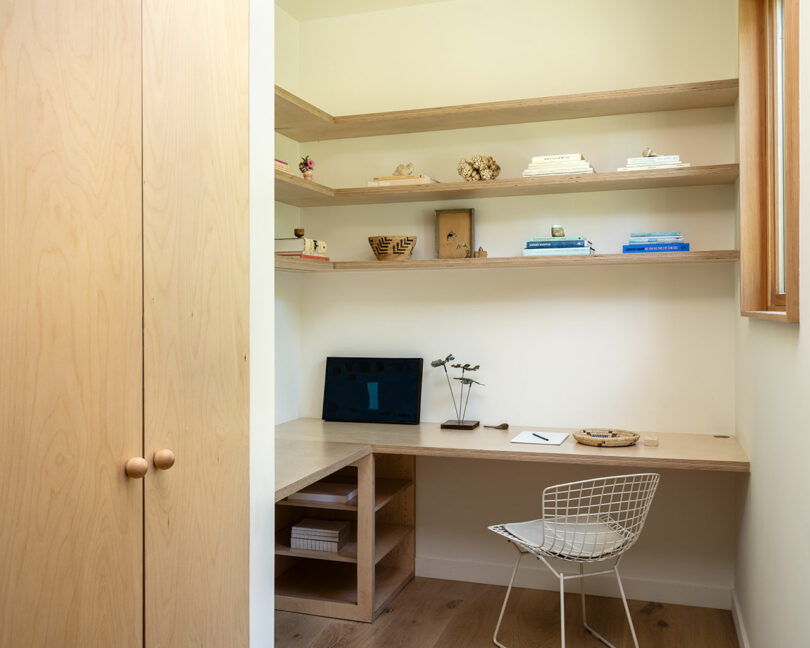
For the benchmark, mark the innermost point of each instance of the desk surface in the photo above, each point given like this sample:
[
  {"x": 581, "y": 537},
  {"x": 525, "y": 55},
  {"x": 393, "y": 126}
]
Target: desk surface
[{"x": 308, "y": 446}]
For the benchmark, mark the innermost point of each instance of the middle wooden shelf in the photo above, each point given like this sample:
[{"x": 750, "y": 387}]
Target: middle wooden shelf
[{"x": 295, "y": 191}]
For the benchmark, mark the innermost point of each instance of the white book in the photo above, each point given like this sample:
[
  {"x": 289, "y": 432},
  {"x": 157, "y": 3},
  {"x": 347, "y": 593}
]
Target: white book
[
  {"x": 554, "y": 158},
  {"x": 534, "y": 174},
  {"x": 543, "y": 252},
  {"x": 549, "y": 438},
  {"x": 647, "y": 240},
  {"x": 395, "y": 183},
  {"x": 656, "y": 159},
  {"x": 677, "y": 165},
  {"x": 313, "y": 545},
  {"x": 559, "y": 164}
]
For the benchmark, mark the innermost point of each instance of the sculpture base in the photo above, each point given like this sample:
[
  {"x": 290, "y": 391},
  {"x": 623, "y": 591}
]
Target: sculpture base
[{"x": 452, "y": 424}]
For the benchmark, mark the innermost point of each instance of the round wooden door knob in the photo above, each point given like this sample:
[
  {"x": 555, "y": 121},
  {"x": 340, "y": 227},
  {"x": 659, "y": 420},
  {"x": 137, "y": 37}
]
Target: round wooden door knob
[
  {"x": 136, "y": 467},
  {"x": 164, "y": 459}
]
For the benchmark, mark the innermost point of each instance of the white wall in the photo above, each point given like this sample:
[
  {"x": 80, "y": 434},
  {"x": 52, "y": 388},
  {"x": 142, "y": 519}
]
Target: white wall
[
  {"x": 773, "y": 422},
  {"x": 649, "y": 348},
  {"x": 262, "y": 472}
]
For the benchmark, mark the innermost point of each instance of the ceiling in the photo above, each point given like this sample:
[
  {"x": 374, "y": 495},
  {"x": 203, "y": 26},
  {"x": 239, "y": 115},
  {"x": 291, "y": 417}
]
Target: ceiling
[{"x": 314, "y": 9}]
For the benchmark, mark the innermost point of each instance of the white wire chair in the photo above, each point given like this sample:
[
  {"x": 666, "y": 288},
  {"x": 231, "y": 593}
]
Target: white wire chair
[{"x": 586, "y": 521}]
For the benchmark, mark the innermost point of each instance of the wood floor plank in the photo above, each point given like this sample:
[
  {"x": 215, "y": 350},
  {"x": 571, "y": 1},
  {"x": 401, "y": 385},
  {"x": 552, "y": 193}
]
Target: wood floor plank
[{"x": 431, "y": 613}]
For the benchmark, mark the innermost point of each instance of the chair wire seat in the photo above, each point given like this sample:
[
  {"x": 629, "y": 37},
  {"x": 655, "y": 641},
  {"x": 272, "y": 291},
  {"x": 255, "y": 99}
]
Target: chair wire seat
[{"x": 583, "y": 522}]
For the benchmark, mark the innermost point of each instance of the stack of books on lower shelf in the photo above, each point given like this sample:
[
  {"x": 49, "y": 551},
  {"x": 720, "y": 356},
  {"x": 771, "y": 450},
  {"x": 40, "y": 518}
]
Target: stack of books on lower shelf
[
  {"x": 644, "y": 242},
  {"x": 562, "y": 164},
  {"x": 654, "y": 162},
  {"x": 558, "y": 246},
  {"x": 301, "y": 248},
  {"x": 320, "y": 535},
  {"x": 401, "y": 180}
]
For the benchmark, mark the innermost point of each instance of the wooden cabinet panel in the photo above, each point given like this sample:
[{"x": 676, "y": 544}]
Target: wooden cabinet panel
[
  {"x": 195, "y": 100},
  {"x": 70, "y": 323}
]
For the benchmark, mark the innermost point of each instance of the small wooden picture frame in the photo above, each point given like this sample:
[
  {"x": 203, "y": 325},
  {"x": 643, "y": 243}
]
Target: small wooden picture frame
[{"x": 455, "y": 233}]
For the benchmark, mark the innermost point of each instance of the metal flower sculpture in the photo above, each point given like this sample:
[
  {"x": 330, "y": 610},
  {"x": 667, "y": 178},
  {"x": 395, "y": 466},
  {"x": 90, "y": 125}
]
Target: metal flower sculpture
[{"x": 460, "y": 407}]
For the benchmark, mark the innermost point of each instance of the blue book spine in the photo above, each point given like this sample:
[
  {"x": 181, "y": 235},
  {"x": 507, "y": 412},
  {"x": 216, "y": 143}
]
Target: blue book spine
[
  {"x": 646, "y": 234},
  {"x": 672, "y": 247},
  {"x": 535, "y": 245}
]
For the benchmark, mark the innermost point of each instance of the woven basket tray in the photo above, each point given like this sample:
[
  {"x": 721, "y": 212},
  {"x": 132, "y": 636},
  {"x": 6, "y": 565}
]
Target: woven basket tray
[
  {"x": 392, "y": 248},
  {"x": 606, "y": 437}
]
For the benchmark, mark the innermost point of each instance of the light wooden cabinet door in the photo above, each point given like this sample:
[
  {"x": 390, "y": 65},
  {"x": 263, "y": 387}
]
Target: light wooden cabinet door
[
  {"x": 70, "y": 323},
  {"x": 195, "y": 99}
]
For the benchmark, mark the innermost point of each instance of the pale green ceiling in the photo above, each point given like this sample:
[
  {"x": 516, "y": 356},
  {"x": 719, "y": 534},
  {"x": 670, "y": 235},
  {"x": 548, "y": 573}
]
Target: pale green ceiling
[{"x": 313, "y": 9}]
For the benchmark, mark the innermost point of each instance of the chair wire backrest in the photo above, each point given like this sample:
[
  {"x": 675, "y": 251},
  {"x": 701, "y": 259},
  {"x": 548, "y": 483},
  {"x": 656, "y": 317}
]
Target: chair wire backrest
[{"x": 597, "y": 518}]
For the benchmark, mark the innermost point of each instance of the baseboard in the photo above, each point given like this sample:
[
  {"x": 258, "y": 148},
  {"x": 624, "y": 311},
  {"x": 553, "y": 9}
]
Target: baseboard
[
  {"x": 533, "y": 575},
  {"x": 736, "y": 614}
]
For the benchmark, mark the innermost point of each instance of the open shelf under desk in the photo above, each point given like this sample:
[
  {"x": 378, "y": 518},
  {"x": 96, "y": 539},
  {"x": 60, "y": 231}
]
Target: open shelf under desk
[
  {"x": 385, "y": 491},
  {"x": 295, "y": 191},
  {"x": 337, "y": 582},
  {"x": 386, "y": 538},
  {"x": 288, "y": 264},
  {"x": 303, "y": 122}
]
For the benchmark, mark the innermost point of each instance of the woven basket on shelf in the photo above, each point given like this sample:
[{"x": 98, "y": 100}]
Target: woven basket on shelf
[
  {"x": 392, "y": 248},
  {"x": 605, "y": 437}
]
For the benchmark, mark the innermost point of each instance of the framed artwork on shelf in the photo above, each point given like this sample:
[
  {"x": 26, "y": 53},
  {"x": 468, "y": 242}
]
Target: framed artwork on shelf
[{"x": 455, "y": 233}]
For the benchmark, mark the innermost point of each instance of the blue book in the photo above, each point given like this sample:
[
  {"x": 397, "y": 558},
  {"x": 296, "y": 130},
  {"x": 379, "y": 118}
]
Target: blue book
[
  {"x": 669, "y": 247},
  {"x": 533, "y": 245}
]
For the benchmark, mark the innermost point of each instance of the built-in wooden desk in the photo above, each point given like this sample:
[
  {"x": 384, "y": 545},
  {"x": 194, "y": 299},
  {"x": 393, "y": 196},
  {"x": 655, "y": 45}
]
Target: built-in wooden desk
[
  {"x": 359, "y": 582},
  {"x": 675, "y": 450}
]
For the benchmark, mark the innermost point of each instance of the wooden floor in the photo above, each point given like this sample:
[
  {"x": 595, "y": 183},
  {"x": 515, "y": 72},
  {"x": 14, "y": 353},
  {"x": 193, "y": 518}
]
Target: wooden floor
[{"x": 433, "y": 613}]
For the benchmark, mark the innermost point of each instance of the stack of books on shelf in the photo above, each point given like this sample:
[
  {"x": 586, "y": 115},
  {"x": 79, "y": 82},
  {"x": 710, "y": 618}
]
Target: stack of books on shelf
[
  {"x": 643, "y": 242},
  {"x": 320, "y": 535},
  {"x": 397, "y": 181},
  {"x": 302, "y": 248},
  {"x": 564, "y": 163},
  {"x": 281, "y": 164},
  {"x": 654, "y": 162},
  {"x": 325, "y": 493},
  {"x": 557, "y": 246}
]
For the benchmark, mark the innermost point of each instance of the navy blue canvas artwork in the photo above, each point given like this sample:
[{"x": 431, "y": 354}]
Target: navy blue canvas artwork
[{"x": 373, "y": 390}]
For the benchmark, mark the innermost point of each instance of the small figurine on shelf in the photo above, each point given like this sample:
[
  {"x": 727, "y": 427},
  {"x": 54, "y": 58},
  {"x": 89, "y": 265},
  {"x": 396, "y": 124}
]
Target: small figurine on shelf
[
  {"x": 461, "y": 407},
  {"x": 306, "y": 165}
]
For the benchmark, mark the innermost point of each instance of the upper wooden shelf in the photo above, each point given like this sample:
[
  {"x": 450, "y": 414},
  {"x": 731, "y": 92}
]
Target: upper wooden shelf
[
  {"x": 303, "y": 122},
  {"x": 292, "y": 264},
  {"x": 298, "y": 192}
]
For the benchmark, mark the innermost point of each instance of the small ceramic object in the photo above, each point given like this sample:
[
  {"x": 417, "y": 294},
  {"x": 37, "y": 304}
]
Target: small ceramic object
[
  {"x": 392, "y": 248},
  {"x": 557, "y": 230},
  {"x": 404, "y": 169},
  {"x": 308, "y": 175},
  {"x": 480, "y": 253},
  {"x": 299, "y": 232}
]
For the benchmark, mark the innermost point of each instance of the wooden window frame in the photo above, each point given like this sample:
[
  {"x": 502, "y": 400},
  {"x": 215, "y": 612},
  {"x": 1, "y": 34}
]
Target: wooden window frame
[{"x": 759, "y": 295}]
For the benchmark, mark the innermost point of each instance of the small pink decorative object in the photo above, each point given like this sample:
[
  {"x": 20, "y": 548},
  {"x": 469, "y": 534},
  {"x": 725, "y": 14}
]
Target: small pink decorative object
[{"x": 305, "y": 166}]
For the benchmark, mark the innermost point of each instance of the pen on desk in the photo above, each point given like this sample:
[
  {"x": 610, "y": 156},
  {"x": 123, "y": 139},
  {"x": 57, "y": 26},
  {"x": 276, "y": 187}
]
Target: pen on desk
[{"x": 539, "y": 436}]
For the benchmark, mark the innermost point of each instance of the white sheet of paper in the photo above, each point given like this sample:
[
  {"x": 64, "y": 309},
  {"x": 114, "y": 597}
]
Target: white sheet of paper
[{"x": 554, "y": 438}]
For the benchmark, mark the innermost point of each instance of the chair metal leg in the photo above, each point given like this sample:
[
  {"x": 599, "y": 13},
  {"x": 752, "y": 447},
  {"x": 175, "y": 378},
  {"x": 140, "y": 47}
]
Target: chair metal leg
[
  {"x": 562, "y": 611},
  {"x": 626, "y": 607},
  {"x": 505, "y": 599},
  {"x": 584, "y": 618}
]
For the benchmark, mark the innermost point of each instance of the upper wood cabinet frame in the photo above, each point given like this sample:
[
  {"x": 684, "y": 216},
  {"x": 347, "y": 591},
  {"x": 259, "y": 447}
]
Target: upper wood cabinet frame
[{"x": 759, "y": 295}]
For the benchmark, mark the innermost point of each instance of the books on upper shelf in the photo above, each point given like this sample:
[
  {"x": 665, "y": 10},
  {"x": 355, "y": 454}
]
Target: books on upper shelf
[
  {"x": 311, "y": 257},
  {"x": 281, "y": 164},
  {"x": 320, "y": 535},
  {"x": 557, "y": 246},
  {"x": 300, "y": 245},
  {"x": 562, "y": 164},
  {"x": 395, "y": 181},
  {"x": 643, "y": 242},
  {"x": 325, "y": 493},
  {"x": 654, "y": 162}
]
